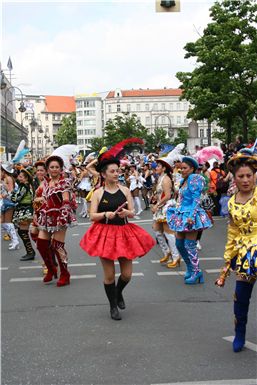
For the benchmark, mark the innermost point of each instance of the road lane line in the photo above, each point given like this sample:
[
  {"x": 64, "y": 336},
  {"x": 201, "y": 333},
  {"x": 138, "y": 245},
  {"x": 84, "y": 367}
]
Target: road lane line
[
  {"x": 248, "y": 345},
  {"x": 167, "y": 273},
  {"x": 133, "y": 274},
  {"x": 201, "y": 259},
  {"x": 69, "y": 265},
  {"x": 75, "y": 235},
  {"x": 31, "y": 279},
  {"x": 4, "y": 268},
  {"x": 211, "y": 271},
  {"x": 133, "y": 263},
  {"x": 246, "y": 381}
]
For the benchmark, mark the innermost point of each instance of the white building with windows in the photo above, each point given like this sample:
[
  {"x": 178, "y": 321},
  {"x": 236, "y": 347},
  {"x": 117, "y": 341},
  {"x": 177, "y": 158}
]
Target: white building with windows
[
  {"x": 90, "y": 119},
  {"x": 47, "y": 112},
  {"x": 158, "y": 108}
]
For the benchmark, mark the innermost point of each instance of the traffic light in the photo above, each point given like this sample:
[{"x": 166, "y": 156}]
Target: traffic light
[{"x": 167, "y": 5}]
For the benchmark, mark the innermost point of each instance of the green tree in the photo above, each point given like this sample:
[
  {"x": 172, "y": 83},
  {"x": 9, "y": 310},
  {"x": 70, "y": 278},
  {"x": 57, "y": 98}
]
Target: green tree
[
  {"x": 154, "y": 140},
  {"x": 223, "y": 86},
  {"x": 67, "y": 133},
  {"x": 122, "y": 127},
  {"x": 96, "y": 144},
  {"x": 181, "y": 138}
]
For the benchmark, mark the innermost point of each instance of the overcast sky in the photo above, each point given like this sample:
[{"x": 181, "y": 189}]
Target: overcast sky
[{"x": 64, "y": 48}]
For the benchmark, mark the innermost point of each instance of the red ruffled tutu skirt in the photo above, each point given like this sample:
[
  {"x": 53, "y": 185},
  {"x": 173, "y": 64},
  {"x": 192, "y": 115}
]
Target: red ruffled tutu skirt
[{"x": 114, "y": 241}]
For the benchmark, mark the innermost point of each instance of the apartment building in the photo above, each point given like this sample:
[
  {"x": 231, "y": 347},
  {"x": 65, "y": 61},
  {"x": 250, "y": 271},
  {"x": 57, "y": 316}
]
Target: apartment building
[
  {"x": 42, "y": 120},
  {"x": 89, "y": 118}
]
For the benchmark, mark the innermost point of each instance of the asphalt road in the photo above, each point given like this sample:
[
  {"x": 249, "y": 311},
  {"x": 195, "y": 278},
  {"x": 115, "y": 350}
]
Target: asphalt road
[{"x": 170, "y": 332}]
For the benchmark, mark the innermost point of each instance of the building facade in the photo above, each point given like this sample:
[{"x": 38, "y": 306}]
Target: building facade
[
  {"x": 89, "y": 119},
  {"x": 42, "y": 120},
  {"x": 11, "y": 131}
]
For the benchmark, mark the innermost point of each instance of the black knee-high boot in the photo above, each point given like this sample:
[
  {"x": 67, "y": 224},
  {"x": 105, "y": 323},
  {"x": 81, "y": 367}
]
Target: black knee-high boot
[
  {"x": 110, "y": 291},
  {"x": 24, "y": 234},
  {"x": 121, "y": 284}
]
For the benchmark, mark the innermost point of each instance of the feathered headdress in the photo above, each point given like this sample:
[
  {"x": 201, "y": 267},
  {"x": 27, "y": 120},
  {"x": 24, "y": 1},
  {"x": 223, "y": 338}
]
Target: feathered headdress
[
  {"x": 66, "y": 152},
  {"x": 112, "y": 155},
  {"x": 245, "y": 155},
  {"x": 173, "y": 156},
  {"x": 20, "y": 152},
  {"x": 208, "y": 153}
]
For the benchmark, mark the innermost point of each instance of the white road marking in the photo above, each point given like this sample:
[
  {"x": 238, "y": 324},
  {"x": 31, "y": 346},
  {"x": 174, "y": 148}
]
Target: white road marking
[
  {"x": 69, "y": 265},
  {"x": 4, "y": 268},
  {"x": 211, "y": 271},
  {"x": 75, "y": 235},
  {"x": 248, "y": 345},
  {"x": 41, "y": 279},
  {"x": 133, "y": 263},
  {"x": 133, "y": 274},
  {"x": 167, "y": 273},
  {"x": 246, "y": 381},
  {"x": 201, "y": 259}
]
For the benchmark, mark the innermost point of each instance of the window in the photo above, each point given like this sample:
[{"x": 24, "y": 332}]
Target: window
[
  {"x": 138, "y": 107},
  {"x": 80, "y": 132},
  {"x": 80, "y": 141},
  {"x": 171, "y": 106},
  {"x": 128, "y": 107},
  {"x": 90, "y": 132},
  {"x": 89, "y": 113},
  {"x": 89, "y": 103},
  {"x": 201, "y": 133},
  {"x": 109, "y": 108},
  {"x": 39, "y": 141},
  {"x": 178, "y": 119},
  {"x": 163, "y": 119},
  {"x": 26, "y": 116},
  {"x": 118, "y": 107},
  {"x": 185, "y": 106},
  {"x": 172, "y": 119},
  {"x": 147, "y": 107},
  {"x": 178, "y": 105},
  {"x": 46, "y": 116},
  {"x": 185, "y": 119},
  {"x": 89, "y": 122},
  {"x": 79, "y": 113},
  {"x": 155, "y": 107},
  {"x": 147, "y": 120},
  {"x": 79, "y": 122},
  {"x": 79, "y": 103},
  {"x": 33, "y": 141},
  {"x": 163, "y": 106}
]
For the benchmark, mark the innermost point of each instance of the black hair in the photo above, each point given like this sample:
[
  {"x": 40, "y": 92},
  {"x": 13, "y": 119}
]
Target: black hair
[
  {"x": 55, "y": 158},
  {"x": 207, "y": 164},
  {"x": 243, "y": 164},
  {"x": 190, "y": 164}
]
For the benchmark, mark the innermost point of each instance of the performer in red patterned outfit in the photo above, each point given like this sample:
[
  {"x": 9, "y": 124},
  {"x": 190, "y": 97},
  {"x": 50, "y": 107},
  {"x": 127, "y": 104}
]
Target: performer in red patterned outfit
[{"x": 56, "y": 214}]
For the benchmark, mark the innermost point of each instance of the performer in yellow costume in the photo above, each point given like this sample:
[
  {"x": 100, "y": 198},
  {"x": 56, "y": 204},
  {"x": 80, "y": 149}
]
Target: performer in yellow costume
[{"x": 241, "y": 248}]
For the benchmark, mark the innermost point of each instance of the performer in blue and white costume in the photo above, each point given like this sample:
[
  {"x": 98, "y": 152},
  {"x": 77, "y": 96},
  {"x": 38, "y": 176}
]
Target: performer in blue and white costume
[{"x": 188, "y": 218}]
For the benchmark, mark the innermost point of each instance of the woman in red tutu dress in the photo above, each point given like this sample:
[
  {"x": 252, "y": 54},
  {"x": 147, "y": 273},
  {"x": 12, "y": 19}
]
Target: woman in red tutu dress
[
  {"x": 57, "y": 213},
  {"x": 111, "y": 237}
]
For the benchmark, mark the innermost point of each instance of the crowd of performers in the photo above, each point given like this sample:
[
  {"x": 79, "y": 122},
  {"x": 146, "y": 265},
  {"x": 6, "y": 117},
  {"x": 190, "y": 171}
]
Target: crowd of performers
[{"x": 39, "y": 204}]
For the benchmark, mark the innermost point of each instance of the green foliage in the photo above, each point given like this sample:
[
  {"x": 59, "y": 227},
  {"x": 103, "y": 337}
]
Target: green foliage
[
  {"x": 181, "y": 138},
  {"x": 122, "y": 127},
  {"x": 96, "y": 144},
  {"x": 223, "y": 86},
  {"x": 67, "y": 133},
  {"x": 153, "y": 141}
]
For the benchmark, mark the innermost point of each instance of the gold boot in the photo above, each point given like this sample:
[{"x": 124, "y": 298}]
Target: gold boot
[
  {"x": 6, "y": 237},
  {"x": 165, "y": 258},
  {"x": 174, "y": 263}
]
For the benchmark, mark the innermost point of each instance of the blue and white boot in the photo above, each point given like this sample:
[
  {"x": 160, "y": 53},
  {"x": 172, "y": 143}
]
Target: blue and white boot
[{"x": 197, "y": 275}]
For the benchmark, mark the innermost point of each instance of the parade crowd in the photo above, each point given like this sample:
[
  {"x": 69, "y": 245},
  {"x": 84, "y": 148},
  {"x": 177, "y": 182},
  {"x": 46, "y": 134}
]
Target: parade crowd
[{"x": 183, "y": 191}]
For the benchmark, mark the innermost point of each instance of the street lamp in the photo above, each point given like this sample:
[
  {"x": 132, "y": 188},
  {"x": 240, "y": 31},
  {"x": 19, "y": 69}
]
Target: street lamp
[
  {"x": 169, "y": 131},
  {"x": 21, "y": 108}
]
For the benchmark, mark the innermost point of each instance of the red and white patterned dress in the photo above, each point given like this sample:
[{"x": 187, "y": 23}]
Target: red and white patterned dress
[{"x": 56, "y": 213}]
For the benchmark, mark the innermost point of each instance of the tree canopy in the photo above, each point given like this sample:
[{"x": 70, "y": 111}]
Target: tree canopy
[
  {"x": 223, "y": 86},
  {"x": 67, "y": 133}
]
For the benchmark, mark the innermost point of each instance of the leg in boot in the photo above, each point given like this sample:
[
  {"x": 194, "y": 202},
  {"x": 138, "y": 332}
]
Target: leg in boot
[
  {"x": 241, "y": 306},
  {"x": 171, "y": 239},
  {"x": 121, "y": 284},
  {"x": 163, "y": 245},
  {"x": 197, "y": 275},
  {"x": 24, "y": 234},
  {"x": 137, "y": 200},
  {"x": 13, "y": 235},
  {"x": 61, "y": 255},
  {"x": 110, "y": 290},
  {"x": 180, "y": 244},
  {"x": 43, "y": 246}
]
